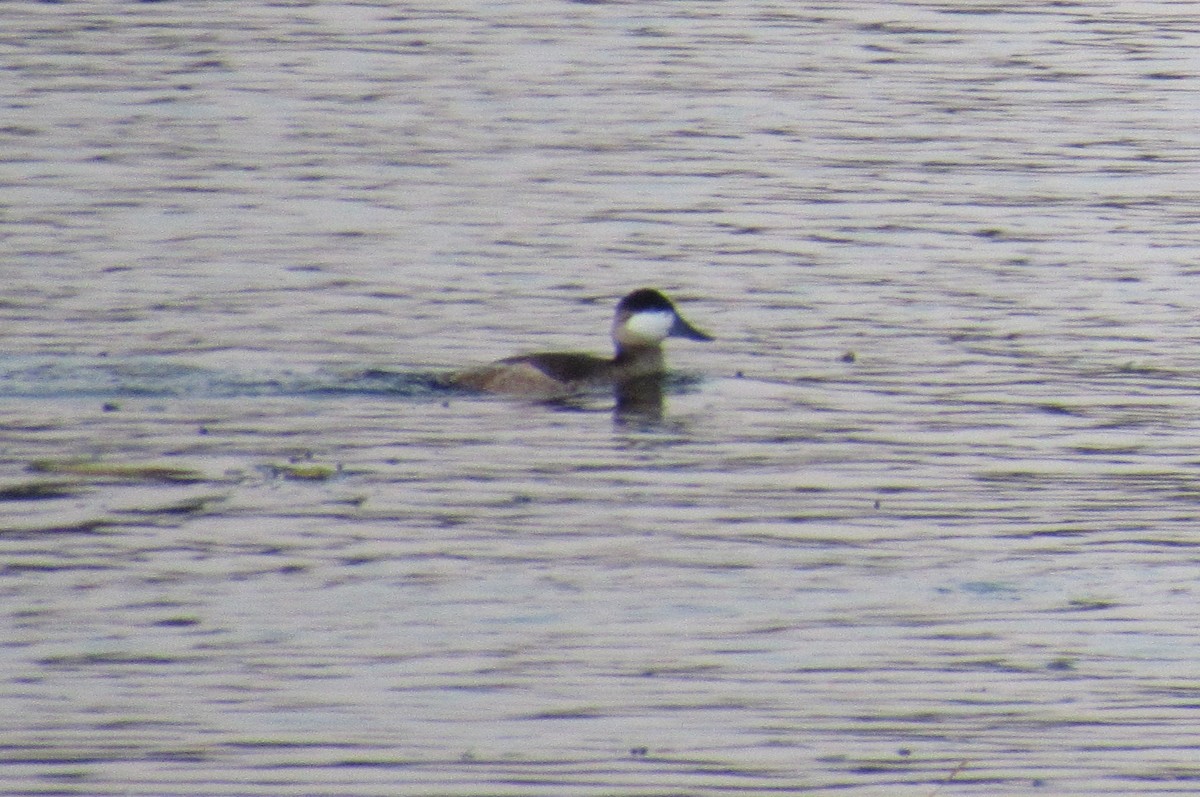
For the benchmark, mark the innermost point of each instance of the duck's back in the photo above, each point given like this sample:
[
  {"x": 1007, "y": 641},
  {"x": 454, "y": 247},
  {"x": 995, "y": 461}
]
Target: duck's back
[{"x": 543, "y": 376}]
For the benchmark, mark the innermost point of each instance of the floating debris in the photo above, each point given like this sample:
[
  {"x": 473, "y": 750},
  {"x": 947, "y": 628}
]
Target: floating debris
[{"x": 302, "y": 472}]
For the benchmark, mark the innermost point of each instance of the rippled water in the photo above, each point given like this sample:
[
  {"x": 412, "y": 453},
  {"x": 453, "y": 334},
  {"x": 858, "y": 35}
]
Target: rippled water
[{"x": 922, "y": 521}]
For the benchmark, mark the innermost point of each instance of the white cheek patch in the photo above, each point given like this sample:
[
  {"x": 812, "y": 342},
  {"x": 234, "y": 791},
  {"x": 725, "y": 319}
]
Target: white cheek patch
[{"x": 650, "y": 325}]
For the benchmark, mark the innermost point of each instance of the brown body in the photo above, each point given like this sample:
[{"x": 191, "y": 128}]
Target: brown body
[{"x": 545, "y": 376}]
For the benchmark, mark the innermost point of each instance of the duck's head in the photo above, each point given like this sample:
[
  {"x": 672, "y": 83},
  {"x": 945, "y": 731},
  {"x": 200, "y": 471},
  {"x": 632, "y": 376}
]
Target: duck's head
[{"x": 647, "y": 318}]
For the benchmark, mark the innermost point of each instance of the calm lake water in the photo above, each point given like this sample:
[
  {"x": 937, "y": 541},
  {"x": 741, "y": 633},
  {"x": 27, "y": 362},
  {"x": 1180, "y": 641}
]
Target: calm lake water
[{"x": 922, "y": 521}]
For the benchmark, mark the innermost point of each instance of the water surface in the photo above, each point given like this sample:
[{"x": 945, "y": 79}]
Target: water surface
[{"x": 921, "y": 521}]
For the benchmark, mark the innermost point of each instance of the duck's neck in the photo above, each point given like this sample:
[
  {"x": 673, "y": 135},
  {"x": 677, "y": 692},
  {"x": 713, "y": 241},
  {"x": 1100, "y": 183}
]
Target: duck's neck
[
  {"x": 638, "y": 376},
  {"x": 633, "y": 362}
]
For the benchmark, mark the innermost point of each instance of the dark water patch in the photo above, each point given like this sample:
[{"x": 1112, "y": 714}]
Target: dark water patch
[
  {"x": 117, "y": 471},
  {"x": 46, "y": 566},
  {"x": 71, "y": 377},
  {"x": 88, "y": 526},
  {"x": 186, "y": 506},
  {"x": 108, "y": 658},
  {"x": 182, "y": 621},
  {"x": 40, "y": 491}
]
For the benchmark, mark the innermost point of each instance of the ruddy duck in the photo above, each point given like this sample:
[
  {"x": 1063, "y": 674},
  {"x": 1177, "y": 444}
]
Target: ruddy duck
[{"x": 644, "y": 319}]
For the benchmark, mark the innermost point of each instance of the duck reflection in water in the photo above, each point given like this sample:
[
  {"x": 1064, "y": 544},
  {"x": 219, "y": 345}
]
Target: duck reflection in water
[{"x": 637, "y": 372}]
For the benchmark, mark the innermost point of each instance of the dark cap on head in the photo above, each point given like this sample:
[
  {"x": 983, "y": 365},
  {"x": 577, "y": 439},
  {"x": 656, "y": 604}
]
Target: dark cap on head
[{"x": 645, "y": 299}]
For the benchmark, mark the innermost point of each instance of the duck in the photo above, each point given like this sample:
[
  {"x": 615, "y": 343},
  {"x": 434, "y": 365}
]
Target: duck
[{"x": 643, "y": 320}]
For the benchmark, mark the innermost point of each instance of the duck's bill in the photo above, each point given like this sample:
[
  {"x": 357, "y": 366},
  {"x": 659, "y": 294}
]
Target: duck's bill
[{"x": 682, "y": 329}]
